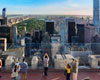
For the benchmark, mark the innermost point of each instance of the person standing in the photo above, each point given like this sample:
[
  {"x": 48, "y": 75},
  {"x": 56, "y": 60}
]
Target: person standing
[
  {"x": 75, "y": 68},
  {"x": 0, "y": 66},
  {"x": 68, "y": 71},
  {"x": 15, "y": 71},
  {"x": 24, "y": 67},
  {"x": 46, "y": 63}
]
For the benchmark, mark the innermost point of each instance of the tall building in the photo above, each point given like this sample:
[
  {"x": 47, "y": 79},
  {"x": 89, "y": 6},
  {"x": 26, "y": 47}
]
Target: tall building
[
  {"x": 71, "y": 27},
  {"x": 3, "y": 20},
  {"x": 28, "y": 46},
  {"x": 80, "y": 33},
  {"x": 63, "y": 31},
  {"x": 89, "y": 33},
  {"x": 6, "y": 32},
  {"x": 4, "y": 13},
  {"x": 38, "y": 36},
  {"x": 49, "y": 27},
  {"x": 15, "y": 34},
  {"x": 96, "y": 12}
]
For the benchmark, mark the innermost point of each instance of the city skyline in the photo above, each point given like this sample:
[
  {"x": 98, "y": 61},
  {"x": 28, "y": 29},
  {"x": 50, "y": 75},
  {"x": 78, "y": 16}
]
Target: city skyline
[{"x": 58, "y": 7}]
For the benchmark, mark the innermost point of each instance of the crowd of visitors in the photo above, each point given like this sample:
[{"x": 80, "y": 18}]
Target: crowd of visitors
[
  {"x": 22, "y": 68},
  {"x": 19, "y": 70}
]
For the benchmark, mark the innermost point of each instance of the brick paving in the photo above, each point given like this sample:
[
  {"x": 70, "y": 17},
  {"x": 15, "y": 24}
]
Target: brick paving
[{"x": 55, "y": 75}]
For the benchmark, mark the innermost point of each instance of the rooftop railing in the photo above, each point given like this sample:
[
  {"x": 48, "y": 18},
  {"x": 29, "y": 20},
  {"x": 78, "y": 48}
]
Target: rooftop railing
[{"x": 58, "y": 53}]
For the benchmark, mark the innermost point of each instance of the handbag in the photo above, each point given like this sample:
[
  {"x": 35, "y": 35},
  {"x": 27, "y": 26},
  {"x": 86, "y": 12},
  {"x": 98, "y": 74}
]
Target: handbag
[{"x": 13, "y": 75}]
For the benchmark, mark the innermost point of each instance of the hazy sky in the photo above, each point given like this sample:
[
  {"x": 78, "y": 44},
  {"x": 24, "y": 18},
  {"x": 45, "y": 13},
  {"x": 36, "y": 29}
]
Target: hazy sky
[{"x": 69, "y": 7}]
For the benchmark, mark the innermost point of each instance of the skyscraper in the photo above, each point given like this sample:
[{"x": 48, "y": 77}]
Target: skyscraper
[
  {"x": 49, "y": 27},
  {"x": 71, "y": 26},
  {"x": 4, "y": 13},
  {"x": 3, "y": 20},
  {"x": 96, "y": 12}
]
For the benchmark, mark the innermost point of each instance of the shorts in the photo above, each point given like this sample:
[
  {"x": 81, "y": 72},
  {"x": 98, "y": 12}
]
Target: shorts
[{"x": 24, "y": 76}]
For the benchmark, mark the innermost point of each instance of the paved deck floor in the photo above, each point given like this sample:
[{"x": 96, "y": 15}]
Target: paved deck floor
[{"x": 54, "y": 75}]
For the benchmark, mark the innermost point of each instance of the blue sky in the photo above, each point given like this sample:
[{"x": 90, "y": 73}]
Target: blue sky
[{"x": 68, "y": 7}]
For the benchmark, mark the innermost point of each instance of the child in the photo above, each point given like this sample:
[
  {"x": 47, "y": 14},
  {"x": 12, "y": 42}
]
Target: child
[{"x": 68, "y": 71}]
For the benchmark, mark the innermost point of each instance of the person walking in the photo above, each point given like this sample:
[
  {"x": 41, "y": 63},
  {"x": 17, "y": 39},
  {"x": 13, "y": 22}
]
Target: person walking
[
  {"x": 75, "y": 68},
  {"x": 0, "y": 66},
  {"x": 24, "y": 67},
  {"x": 15, "y": 71},
  {"x": 45, "y": 63},
  {"x": 67, "y": 72}
]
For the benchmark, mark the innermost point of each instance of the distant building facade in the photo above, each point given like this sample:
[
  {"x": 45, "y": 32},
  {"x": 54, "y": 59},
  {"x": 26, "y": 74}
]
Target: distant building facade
[
  {"x": 80, "y": 33},
  {"x": 71, "y": 27},
  {"x": 7, "y": 32},
  {"x": 15, "y": 34},
  {"x": 96, "y": 15},
  {"x": 63, "y": 33},
  {"x": 89, "y": 33},
  {"x": 3, "y": 20},
  {"x": 96, "y": 12},
  {"x": 50, "y": 27},
  {"x": 4, "y": 13}
]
